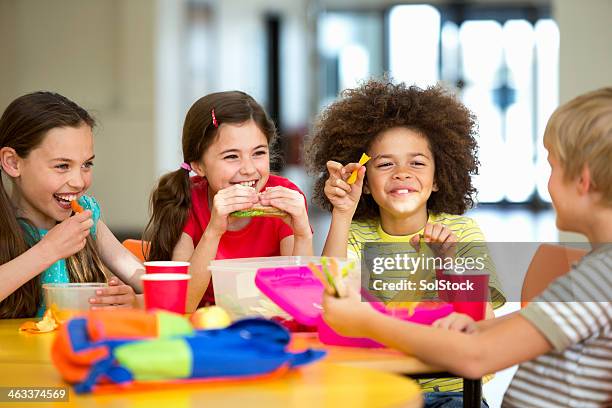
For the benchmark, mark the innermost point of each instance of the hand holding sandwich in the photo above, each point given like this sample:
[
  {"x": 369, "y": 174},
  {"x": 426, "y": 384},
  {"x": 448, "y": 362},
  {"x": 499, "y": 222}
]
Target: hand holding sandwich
[
  {"x": 227, "y": 200},
  {"x": 292, "y": 203}
]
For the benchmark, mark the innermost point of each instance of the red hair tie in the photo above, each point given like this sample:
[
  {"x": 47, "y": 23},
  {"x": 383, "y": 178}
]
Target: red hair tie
[{"x": 214, "y": 118}]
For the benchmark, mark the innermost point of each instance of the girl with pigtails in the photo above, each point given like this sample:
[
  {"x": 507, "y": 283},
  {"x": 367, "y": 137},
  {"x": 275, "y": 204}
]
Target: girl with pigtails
[{"x": 233, "y": 207}]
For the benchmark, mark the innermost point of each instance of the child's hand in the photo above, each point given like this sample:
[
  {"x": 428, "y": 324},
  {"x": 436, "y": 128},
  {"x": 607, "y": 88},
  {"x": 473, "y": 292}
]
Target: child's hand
[
  {"x": 457, "y": 322},
  {"x": 228, "y": 200},
  {"x": 441, "y": 240},
  {"x": 344, "y": 197},
  {"x": 346, "y": 315},
  {"x": 292, "y": 202},
  {"x": 68, "y": 237},
  {"x": 117, "y": 295}
]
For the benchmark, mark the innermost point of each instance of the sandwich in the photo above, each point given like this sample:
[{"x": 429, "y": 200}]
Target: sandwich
[{"x": 259, "y": 211}]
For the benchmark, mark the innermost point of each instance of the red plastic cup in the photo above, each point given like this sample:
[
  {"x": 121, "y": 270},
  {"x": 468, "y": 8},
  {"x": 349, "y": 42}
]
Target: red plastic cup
[
  {"x": 470, "y": 302},
  {"x": 166, "y": 267},
  {"x": 476, "y": 310},
  {"x": 166, "y": 291}
]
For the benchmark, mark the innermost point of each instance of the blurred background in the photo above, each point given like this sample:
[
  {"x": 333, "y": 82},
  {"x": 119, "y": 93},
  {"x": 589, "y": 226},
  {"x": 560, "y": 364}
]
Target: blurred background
[{"x": 138, "y": 65}]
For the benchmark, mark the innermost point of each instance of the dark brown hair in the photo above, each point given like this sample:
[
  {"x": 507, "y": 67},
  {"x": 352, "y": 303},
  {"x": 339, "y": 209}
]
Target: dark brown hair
[
  {"x": 23, "y": 126},
  {"x": 348, "y": 127},
  {"x": 171, "y": 200}
]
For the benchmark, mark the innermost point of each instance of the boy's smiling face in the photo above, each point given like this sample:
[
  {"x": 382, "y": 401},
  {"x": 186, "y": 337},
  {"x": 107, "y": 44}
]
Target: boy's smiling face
[
  {"x": 52, "y": 174},
  {"x": 400, "y": 176}
]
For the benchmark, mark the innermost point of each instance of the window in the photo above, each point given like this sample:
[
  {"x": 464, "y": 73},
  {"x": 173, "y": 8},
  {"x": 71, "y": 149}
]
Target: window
[
  {"x": 502, "y": 61},
  {"x": 350, "y": 50}
]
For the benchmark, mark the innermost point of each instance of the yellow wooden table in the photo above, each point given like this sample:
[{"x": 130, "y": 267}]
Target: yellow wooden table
[
  {"x": 390, "y": 361},
  {"x": 25, "y": 361},
  {"x": 383, "y": 359}
]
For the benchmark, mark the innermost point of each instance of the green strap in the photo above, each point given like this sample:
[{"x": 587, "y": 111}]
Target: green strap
[
  {"x": 152, "y": 360},
  {"x": 171, "y": 324}
]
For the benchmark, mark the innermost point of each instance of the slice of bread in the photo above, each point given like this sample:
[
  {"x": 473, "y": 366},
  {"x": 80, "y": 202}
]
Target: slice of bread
[{"x": 259, "y": 211}]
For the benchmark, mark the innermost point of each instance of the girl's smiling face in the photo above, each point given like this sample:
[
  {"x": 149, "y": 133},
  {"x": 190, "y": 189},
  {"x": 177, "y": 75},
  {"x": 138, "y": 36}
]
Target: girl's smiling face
[
  {"x": 239, "y": 155},
  {"x": 52, "y": 174},
  {"x": 400, "y": 176}
]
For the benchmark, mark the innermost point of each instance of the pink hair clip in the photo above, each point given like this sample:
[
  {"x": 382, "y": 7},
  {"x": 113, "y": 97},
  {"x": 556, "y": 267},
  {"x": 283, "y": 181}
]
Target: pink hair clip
[
  {"x": 185, "y": 166},
  {"x": 214, "y": 118}
]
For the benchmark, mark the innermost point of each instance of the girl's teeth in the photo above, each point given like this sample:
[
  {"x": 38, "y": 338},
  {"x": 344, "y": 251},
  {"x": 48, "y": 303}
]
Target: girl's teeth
[{"x": 66, "y": 197}]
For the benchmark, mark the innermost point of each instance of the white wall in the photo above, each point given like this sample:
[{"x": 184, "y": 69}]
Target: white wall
[
  {"x": 240, "y": 48},
  {"x": 125, "y": 62},
  {"x": 122, "y": 60},
  {"x": 170, "y": 69},
  {"x": 585, "y": 53},
  {"x": 99, "y": 54},
  {"x": 586, "y": 45}
]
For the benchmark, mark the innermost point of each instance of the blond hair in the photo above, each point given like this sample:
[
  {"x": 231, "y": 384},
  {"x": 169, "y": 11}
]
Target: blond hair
[{"x": 579, "y": 133}]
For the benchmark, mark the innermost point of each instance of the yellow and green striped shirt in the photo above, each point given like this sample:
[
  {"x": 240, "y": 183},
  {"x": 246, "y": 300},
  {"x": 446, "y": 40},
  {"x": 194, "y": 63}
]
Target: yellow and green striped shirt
[{"x": 467, "y": 231}]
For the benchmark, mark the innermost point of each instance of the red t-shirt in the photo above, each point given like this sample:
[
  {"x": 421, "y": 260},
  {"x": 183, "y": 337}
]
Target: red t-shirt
[{"x": 261, "y": 237}]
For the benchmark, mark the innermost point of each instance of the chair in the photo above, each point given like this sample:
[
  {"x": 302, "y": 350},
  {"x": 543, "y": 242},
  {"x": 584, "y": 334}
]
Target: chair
[
  {"x": 137, "y": 247},
  {"x": 548, "y": 263}
]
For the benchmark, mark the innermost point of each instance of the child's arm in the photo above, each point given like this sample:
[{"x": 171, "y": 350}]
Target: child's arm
[
  {"x": 226, "y": 201},
  {"x": 440, "y": 238},
  {"x": 443, "y": 242},
  {"x": 293, "y": 203},
  {"x": 509, "y": 342},
  {"x": 62, "y": 241},
  {"x": 200, "y": 258},
  {"x": 122, "y": 263},
  {"x": 457, "y": 322},
  {"x": 464, "y": 323},
  {"x": 344, "y": 198},
  {"x": 296, "y": 246},
  {"x": 118, "y": 258},
  {"x": 338, "y": 235},
  {"x": 117, "y": 295}
]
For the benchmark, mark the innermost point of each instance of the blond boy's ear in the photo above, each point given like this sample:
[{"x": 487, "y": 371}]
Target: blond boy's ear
[
  {"x": 9, "y": 160},
  {"x": 198, "y": 168},
  {"x": 584, "y": 181}
]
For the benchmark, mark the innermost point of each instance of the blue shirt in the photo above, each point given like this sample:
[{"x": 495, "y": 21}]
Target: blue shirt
[{"x": 58, "y": 272}]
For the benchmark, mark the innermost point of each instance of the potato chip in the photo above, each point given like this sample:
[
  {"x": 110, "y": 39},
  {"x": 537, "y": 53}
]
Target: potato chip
[{"x": 353, "y": 177}]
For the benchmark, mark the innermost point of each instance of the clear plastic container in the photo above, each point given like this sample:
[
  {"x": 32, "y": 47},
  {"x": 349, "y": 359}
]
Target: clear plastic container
[
  {"x": 234, "y": 284},
  {"x": 70, "y": 298}
]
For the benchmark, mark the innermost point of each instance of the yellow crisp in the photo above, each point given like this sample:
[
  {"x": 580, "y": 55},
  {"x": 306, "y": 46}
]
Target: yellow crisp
[
  {"x": 410, "y": 306},
  {"x": 47, "y": 324},
  {"x": 353, "y": 177}
]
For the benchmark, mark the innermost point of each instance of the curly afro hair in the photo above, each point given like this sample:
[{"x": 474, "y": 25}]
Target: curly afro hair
[{"x": 348, "y": 127}]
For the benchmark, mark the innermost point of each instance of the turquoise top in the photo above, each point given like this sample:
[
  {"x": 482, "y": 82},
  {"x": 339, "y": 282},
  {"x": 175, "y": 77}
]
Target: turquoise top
[{"x": 58, "y": 272}]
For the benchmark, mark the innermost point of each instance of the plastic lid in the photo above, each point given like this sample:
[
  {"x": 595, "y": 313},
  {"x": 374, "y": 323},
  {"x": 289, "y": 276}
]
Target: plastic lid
[
  {"x": 294, "y": 289},
  {"x": 298, "y": 292}
]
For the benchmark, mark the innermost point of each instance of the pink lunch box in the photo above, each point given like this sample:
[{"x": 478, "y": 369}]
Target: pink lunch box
[{"x": 297, "y": 291}]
